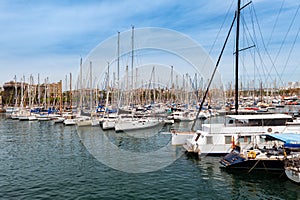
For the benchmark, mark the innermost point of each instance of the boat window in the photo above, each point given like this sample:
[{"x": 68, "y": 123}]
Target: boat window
[
  {"x": 245, "y": 139},
  {"x": 275, "y": 122},
  {"x": 228, "y": 139},
  {"x": 209, "y": 140},
  {"x": 262, "y": 140},
  {"x": 268, "y": 122}
]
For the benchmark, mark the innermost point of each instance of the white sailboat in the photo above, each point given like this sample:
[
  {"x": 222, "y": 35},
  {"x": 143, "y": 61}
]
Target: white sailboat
[
  {"x": 216, "y": 138},
  {"x": 124, "y": 123},
  {"x": 109, "y": 121},
  {"x": 70, "y": 119}
]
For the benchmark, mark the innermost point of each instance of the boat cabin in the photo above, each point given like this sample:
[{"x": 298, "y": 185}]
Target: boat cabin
[{"x": 258, "y": 120}]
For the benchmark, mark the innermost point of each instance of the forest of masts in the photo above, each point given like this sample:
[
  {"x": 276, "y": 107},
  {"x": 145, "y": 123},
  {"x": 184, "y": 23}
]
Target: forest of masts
[{"x": 21, "y": 94}]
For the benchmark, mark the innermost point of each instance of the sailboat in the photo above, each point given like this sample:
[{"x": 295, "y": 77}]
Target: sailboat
[{"x": 216, "y": 138}]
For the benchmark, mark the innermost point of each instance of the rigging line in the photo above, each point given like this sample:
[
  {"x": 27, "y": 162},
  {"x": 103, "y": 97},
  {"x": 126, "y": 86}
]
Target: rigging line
[
  {"x": 264, "y": 69},
  {"x": 254, "y": 34},
  {"x": 254, "y": 40},
  {"x": 227, "y": 14},
  {"x": 293, "y": 20},
  {"x": 265, "y": 48},
  {"x": 275, "y": 24},
  {"x": 290, "y": 52},
  {"x": 215, "y": 69}
]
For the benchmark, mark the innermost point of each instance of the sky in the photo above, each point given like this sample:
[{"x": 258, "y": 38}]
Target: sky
[{"x": 50, "y": 37}]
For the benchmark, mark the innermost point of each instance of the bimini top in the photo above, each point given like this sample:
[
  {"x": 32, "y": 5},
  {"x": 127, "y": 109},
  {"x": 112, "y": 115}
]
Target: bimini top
[{"x": 291, "y": 140}]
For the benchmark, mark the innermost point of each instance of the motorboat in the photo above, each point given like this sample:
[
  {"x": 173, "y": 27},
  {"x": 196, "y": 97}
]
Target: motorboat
[
  {"x": 273, "y": 157},
  {"x": 216, "y": 138}
]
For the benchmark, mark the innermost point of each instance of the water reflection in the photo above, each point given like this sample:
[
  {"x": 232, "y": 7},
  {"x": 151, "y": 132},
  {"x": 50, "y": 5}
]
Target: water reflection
[{"x": 130, "y": 154}]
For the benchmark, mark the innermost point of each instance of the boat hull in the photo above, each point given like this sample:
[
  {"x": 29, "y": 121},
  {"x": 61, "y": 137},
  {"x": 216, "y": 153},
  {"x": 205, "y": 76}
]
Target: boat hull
[
  {"x": 255, "y": 164},
  {"x": 180, "y": 138},
  {"x": 135, "y": 125},
  {"x": 293, "y": 174}
]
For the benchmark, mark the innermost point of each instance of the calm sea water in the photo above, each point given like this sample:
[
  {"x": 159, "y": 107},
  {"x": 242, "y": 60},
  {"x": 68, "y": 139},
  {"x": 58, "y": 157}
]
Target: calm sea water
[{"x": 39, "y": 160}]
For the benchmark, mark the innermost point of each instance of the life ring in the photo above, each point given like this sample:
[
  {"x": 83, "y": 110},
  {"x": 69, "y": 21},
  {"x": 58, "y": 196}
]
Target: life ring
[
  {"x": 251, "y": 155},
  {"x": 269, "y": 130}
]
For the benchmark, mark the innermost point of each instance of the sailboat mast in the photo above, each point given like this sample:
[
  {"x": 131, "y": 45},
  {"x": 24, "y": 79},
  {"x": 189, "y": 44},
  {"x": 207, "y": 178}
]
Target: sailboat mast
[
  {"x": 237, "y": 57},
  {"x": 71, "y": 92},
  {"x": 39, "y": 91},
  {"x": 132, "y": 54},
  {"x": 81, "y": 86},
  {"x": 118, "y": 63},
  {"x": 91, "y": 85},
  {"x": 60, "y": 97},
  {"x": 16, "y": 92}
]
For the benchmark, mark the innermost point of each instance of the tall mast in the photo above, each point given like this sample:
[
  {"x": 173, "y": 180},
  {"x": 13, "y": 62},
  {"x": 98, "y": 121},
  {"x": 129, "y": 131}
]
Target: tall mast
[
  {"x": 237, "y": 57},
  {"x": 118, "y": 65},
  {"x": 81, "y": 86},
  {"x": 107, "y": 77},
  {"x": 60, "y": 97},
  {"x": 22, "y": 91},
  {"x": 39, "y": 91},
  {"x": 126, "y": 85},
  {"x": 132, "y": 54},
  {"x": 71, "y": 92},
  {"x": 172, "y": 85},
  {"x": 16, "y": 92},
  {"x": 47, "y": 93},
  {"x": 91, "y": 85}
]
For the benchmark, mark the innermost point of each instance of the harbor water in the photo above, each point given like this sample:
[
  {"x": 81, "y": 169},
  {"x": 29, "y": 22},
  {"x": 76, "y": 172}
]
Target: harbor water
[{"x": 39, "y": 160}]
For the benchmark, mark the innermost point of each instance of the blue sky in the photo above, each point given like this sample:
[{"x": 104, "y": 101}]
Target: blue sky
[{"x": 50, "y": 37}]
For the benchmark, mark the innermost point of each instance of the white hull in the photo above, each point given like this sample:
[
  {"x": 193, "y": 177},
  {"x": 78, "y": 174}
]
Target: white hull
[
  {"x": 108, "y": 124},
  {"x": 169, "y": 121},
  {"x": 14, "y": 116},
  {"x": 95, "y": 122},
  {"x": 11, "y": 109},
  {"x": 293, "y": 174},
  {"x": 69, "y": 122},
  {"x": 58, "y": 120},
  {"x": 32, "y": 118},
  {"x": 179, "y": 138},
  {"x": 23, "y": 118},
  {"x": 124, "y": 125},
  {"x": 85, "y": 122},
  {"x": 43, "y": 119}
]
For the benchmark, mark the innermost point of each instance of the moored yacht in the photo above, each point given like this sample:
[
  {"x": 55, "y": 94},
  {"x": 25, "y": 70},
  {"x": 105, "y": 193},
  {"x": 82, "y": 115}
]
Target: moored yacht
[
  {"x": 109, "y": 121},
  {"x": 124, "y": 124},
  {"x": 84, "y": 121},
  {"x": 216, "y": 138},
  {"x": 272, "y": 157},
  {"x": 69, "y": 120}
]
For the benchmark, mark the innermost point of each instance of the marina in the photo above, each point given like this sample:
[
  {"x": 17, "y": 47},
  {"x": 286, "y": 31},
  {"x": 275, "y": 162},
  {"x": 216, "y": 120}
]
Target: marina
[
  {"x": 40, "y": 160},
  {"x": 148, "y": 114}
]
